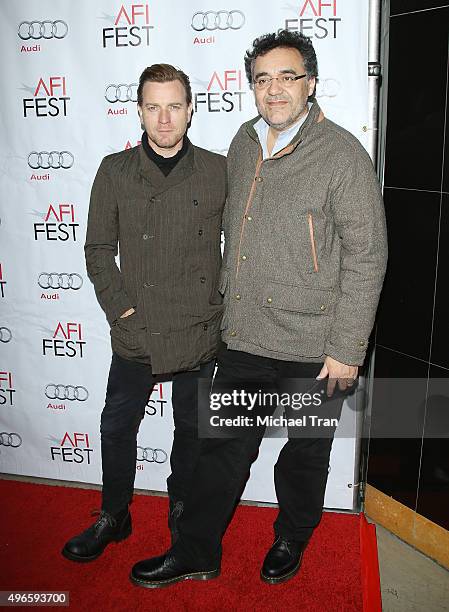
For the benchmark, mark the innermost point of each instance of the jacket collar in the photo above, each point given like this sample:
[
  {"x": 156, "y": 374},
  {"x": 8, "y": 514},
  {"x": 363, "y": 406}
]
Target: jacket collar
[
  {"x": 315, "y": 116},
  {"x": 160, "y": 183}
]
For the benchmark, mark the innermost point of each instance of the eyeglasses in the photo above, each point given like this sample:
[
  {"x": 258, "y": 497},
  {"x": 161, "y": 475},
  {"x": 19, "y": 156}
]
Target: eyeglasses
[{"x": 286, "y": 80}]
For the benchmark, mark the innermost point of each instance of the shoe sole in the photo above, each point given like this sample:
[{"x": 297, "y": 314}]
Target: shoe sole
[
  {"x": 166, "y": 583},
  {"x": 72, "y": 557},
  {"x": 284, "y": 578}
]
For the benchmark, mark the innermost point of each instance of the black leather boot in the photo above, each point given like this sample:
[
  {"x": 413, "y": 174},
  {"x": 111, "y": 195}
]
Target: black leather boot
[
  {"x": 166, "y": 570},
  {"x": 283, "y": 561},
  {"x": 89, "y": 545}
]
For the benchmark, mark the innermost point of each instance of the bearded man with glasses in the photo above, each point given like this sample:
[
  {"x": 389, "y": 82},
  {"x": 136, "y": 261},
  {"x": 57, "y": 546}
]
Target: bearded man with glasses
[{"x": 305, "y": 257}]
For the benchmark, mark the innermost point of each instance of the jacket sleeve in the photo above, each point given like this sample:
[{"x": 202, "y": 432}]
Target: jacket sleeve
[
  {"x": 360, "y": 223},
  {"x": 101, "y": 247}
]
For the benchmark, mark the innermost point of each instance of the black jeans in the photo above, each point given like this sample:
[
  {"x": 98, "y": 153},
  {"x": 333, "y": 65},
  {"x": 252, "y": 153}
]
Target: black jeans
[
  {"x": 129, "y": 386},
  {"x": 300, "y": 473}
]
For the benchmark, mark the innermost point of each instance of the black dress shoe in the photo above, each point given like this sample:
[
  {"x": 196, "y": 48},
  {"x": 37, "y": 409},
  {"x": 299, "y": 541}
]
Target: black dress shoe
[
  {"x": 166, "y": 570},
  {"x": 283, "y": 561},
  {"x": 89, "y": 545}
]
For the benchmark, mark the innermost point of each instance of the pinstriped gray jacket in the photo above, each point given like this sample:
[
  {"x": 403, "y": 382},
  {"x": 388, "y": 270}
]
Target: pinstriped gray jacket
[
  {"x": 305, "y": 245},
  {"x": 168, "y": 230}
]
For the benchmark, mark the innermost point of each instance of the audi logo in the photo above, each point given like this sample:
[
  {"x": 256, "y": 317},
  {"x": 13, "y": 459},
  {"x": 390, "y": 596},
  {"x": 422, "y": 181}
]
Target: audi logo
[
  {"x": 218, "y": 20},
  {"x": 66, "y": 392},
  {"x": 5, "y": 335},
  {"x": 151, "y": 455},
  {"x": 42, "y": 29},
  {"x": 10, "y": 439},
  {"x": 50, "y": 159},
  {"x": 60, "y": 280},
  {"x": 121, "y": 93}
]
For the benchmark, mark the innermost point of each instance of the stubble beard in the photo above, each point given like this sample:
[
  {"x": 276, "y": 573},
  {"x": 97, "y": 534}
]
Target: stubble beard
[{"x": 293, "y": 118}]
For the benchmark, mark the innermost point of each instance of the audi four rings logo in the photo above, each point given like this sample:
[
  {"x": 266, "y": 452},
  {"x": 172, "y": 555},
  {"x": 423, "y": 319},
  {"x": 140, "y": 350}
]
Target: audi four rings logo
[
  {"x": 60, "y": 280},
  {"x": 151, "y": 455},
  {"x": 218, "y": 20},
  {"x": 66, "y": 392},
  {"x": 5, "y": 334},
  {"x": 50, "y": 159},
  {"x": 42, "y": 29},
  {"x": 10, "y": 439},
  {"x": 121, "y": 93}
]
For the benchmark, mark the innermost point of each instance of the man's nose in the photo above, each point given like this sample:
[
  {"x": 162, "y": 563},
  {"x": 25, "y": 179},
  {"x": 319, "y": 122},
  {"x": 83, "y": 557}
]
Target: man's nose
[
  {"x": 164, "y": 116},
  {"x": 274, "y": 87}
]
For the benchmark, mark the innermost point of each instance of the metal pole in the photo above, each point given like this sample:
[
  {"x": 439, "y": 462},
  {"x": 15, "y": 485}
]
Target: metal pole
[{"x": 374, "y": 75}]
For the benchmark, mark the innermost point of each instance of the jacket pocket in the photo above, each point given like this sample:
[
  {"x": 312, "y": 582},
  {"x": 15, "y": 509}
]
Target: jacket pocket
[
  {"x": 312, "y": 241},
  {"x": 128, "y": 336},
  {"x": 294, "y": 320}
]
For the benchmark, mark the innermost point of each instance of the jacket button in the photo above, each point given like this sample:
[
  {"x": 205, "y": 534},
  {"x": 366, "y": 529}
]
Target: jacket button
[
  {"x": 233, "y": 334},
  {"x": 153, "y": 199},
  {"x": 361, "y": 343},
  {"x": 322, "y": 307},
  {"x": 195, "y": 202},
  {"x": 259, "y": 179},
  {"x": 238, "y": 297},
  {"x": 145, "y": 236},
  {"x": 202, "y": 279},
  {"x": 269, "y": 300},
  {"x": 243, "y": 257},
  {"x": 205, "y": 327},
  {"x": 200, "y": 232},
  {"x": 249, "y": 218}
]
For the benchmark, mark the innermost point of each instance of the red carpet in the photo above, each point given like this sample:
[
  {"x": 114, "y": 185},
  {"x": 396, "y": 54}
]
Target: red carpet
[{"x": 37, "y": 519}]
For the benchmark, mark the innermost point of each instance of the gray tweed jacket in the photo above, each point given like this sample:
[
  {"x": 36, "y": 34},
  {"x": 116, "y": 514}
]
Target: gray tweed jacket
[{"x": 305, "y": 250}]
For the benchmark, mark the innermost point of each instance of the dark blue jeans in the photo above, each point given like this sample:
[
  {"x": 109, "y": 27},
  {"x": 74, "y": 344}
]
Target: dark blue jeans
[
  {"x": 129, "y": 386},
  {"x": 223, "y": 466}
]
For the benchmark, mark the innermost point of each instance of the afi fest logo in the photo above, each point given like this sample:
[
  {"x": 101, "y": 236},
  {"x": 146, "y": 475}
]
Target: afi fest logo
[
  {"x": 35, "y": 32},
  {"x": 6, "y": 389},
  {"x": 59, "y": 224},
  {"x": 317, "y": 19},
  {"x": 73, "y": 448},
  {"x": 49, "y": 98},
  {"x": 207, "y": 24},
  {"x": 129, "y": 144},
  {"x": 156, "y": 402},
  {"x": 67, "y": 341},
  {"x": 223, "y": 92},
  {"x": 3, "y": 283},
  {"x": 131, "y": 27}
]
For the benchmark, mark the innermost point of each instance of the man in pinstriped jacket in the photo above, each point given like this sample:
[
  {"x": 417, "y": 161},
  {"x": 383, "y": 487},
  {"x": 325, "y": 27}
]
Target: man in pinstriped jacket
[{"x": 162, "y": 202}]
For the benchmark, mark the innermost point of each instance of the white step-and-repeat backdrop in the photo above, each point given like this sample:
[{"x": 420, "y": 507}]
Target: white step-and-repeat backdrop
[{"x": 70, "y": 72}]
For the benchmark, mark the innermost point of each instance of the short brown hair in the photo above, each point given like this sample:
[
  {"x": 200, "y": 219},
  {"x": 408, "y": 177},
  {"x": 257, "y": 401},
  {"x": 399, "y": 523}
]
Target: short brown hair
[{"x": 164, "y": 73}]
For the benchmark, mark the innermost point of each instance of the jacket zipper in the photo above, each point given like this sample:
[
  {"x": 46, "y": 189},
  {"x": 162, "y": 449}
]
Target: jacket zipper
[{"x": 312, "y": 242}]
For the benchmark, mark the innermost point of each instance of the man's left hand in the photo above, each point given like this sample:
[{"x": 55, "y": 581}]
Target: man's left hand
[{"x": 337, "y": 371}]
